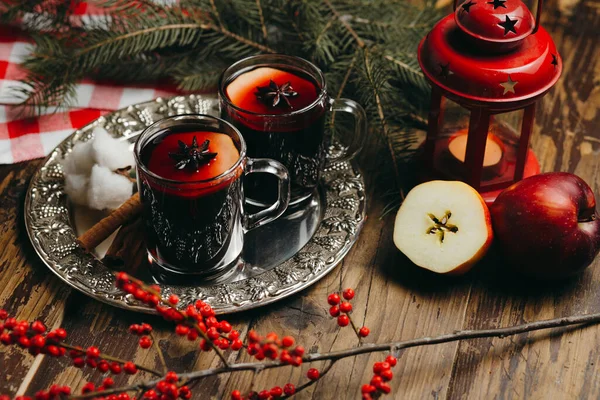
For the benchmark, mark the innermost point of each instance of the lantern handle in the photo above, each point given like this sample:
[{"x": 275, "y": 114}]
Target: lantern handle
[{"x": 538, "y": 15}]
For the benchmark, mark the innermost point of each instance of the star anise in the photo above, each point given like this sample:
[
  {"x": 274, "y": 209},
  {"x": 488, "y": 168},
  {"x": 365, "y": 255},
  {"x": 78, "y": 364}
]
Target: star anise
[
  {"x": 274, "y": 95},
  {"x": 192, "y": 156}
]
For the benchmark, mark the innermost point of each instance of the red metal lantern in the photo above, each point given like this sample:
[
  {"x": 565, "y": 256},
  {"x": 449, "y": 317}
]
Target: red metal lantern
[{"x": 491, "y": 61}]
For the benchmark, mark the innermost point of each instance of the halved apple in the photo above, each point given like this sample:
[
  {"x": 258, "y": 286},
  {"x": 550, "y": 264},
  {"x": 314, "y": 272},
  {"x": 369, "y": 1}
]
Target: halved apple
[{"x": 443, "y": 226}]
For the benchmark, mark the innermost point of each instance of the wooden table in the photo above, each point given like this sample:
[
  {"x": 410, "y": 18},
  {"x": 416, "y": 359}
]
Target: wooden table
[{"x": 397, "y": 301}]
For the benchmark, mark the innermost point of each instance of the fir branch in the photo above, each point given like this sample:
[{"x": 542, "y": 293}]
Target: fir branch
[
  {"x": 262, "y": 19},
  {"x": 382, "y": 118}
]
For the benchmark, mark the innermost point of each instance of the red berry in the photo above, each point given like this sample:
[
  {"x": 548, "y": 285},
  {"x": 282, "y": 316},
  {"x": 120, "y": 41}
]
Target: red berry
[
  {"x": 212, "y": 333},
  {"x": 343, "y": 320},
  {"x": 333, "y": 299},
  {"x": 153, "y": 300},
  {"x": 348, "y": 294},
  {"x": 207, "y": 311},
  {"x": 91, "y": 362},
  {"x": 313, "y": 374},
  {"x": 24, "y": 342},
  {"x": 129, "y": 368},
  {"x": 345, "y": 307},
  {"x": 108, "y": 382},
  {"x": 53, "y": 351},
  {"x": 233, "y": 335},
  {"x": 264, "y": 395},
  {"x": 79, "y": 362},
  {"x": 224, "y": 327},
  {"x": 151, "y": 395},
  {"x": 377, "y": 368},
  {"x": 3, "y": 314},
  {"x": 364, "y": 331},
  {"x": 38, "y": 327},
  {"x": 205, "y": 346},
  {"x": 376, "y": 381},
  {"x": 285, "y": 357},
  {"x": 276, "y": 392},
  {"x": 236, "y": 344},
  {"x": 135, "y": 329},
  {"x": 92, "y": 352},
  {"x": 385, "y": 388},
  {"x": 287, "y": 341},
  {"x": 386, "y": 375},
  {"x": 182, "y": 330},
  {"x": 299, "y": 351},
  {"x": 192, "y": 335},
  {"x": 173, "y": 299},
  {"x": 103, "y": 366},
  {"x": 60, "y": 333},
  {"x": 145, "y": 342},
  {"x": 391, "y": 360},
  {"x": 5, "y": 338},
  {"x": 253, "y": 336},
  {"x": 171, "y": 377},
  {"x": 334, "y": 311},
  {"x": 88, "y": 387},
  {"x": 10, "y": 323},
  {"x": 289, "y": 389},
  {"x": 41, "y": 395},
  {"x": 368, "y": 388},
  {"x": 38, "y": 341},
  {"x": 115, "y": 368},
  {"x": 236, "y": 395}
]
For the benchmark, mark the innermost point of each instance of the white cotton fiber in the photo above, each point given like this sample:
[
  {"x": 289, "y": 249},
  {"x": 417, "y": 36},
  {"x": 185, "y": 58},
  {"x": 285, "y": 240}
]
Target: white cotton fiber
[
  {"x": 80, "y": 161},
  {"x": 76, "y": 187},
  {"x": 110, "y": 152},
  {"x": 107, "y": 190}
]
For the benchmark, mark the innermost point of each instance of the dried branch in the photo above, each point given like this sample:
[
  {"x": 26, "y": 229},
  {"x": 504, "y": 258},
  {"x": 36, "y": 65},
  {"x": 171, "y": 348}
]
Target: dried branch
[{"x": 371, "y": 348}]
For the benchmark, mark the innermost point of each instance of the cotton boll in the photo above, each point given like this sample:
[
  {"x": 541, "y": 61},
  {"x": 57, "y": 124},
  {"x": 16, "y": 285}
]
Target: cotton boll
[
  {"x": 76, "y": 187},
  {"x": 107, "y": 190},
  {"x": 110, "y": 152},
  {"x": 80, "y": 161}
]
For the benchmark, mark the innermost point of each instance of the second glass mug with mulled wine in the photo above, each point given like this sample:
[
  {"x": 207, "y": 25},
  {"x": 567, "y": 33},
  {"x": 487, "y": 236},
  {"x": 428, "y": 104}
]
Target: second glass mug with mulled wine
[
  {"x": 190, "y": 170},
  {"x": 280, "y": 104}
]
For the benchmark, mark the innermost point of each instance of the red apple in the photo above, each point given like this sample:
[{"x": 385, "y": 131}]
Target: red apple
[{"x": 547, "y": 225}]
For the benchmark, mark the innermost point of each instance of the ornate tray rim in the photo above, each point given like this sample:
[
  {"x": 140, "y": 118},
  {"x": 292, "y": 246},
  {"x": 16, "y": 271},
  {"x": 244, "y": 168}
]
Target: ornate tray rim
[{"x": 51, "y": 232}]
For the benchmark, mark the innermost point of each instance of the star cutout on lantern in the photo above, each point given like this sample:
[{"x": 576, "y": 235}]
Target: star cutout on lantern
[
  {"x": 497, "y": 3},
  {"x": 444, "y": 70},
  {"x": 509, "y": 85},
  {"x": 509, "y": 25},
  {"x": 468, "y": 5},
  {"x": 554, "y": 60}
]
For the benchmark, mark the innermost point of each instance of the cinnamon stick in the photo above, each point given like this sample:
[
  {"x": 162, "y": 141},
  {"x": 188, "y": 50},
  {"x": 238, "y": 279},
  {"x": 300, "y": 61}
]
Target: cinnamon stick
[
  {"x": 106, "y": 226},
  {"x": 127, "y": 252}
]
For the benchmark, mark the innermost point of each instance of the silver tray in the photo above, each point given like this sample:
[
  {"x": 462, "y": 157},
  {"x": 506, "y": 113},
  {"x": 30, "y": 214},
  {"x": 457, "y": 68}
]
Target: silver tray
[{"x": 283, "y": 257}]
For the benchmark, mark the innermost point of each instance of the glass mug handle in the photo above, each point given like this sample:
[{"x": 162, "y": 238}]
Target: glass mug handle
[
  {"x": 360, "y": 127},
  {"x": 283, "y": 194}
]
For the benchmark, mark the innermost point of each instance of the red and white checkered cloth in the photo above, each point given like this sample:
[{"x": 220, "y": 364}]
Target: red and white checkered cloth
[{"x": 27, "y": 138}]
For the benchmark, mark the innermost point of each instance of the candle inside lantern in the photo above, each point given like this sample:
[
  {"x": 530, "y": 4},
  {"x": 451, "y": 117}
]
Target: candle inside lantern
[{"x": 493, "y": 149}]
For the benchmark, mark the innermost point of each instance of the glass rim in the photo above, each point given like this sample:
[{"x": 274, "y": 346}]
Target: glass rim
[
  {"x": 152, "y": 128},
  {"x": 319, "y": 98}
]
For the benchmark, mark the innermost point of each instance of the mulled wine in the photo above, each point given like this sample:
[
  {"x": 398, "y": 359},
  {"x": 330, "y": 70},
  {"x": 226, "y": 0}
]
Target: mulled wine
[
  {"x": 281, "y": 115},
  {"x": 195, "y": 229},
  {"x": 190, "y": 171}
]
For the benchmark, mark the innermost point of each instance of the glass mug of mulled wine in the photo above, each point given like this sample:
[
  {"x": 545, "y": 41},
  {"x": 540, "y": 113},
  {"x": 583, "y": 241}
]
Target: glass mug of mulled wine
[
  {"x": 190, "y": 170},
  {"x": 280, "y": 103}
]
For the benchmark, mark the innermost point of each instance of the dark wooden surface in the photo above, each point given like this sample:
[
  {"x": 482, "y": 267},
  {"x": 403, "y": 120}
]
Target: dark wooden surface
[{"x": 396, "y": 300}]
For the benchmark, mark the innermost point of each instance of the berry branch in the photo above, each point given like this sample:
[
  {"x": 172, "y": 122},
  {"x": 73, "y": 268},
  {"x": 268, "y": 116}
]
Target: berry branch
[{"x": 199, "y": 320}]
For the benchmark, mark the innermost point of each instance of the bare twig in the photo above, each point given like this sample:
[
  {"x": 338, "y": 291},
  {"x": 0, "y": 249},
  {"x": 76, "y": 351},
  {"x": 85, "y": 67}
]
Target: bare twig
[
  {"x": 372, "y": 348},
  {"x": 161, "y": 356}
]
